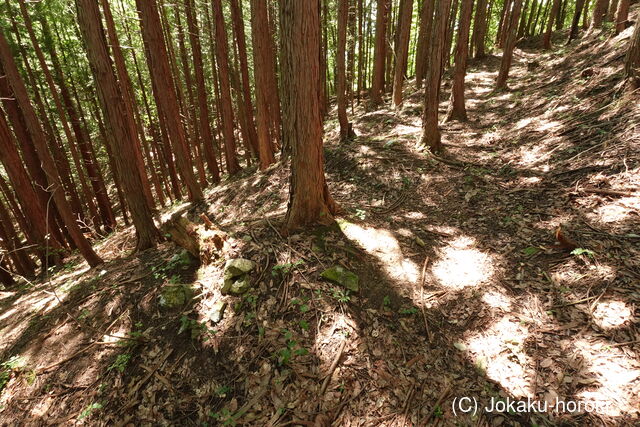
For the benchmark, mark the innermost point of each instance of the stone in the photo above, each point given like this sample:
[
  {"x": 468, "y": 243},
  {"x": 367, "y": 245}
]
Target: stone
[
  {"x": 341, "y": 276},
  {"x": 217, "y": 311},
  {"x": 175, "y": 296},
  {"x": 237, "y": 267},
  {"x": 236, "y": 286}
]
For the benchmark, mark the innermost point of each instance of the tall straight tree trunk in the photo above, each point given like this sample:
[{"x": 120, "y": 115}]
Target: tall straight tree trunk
[
  {"x": 523, "y": 19},
  {"x": 36, "y": 221},
  {"x": 632, "y": 61},
  {"x": 575, "y": 23},
  {"x": 203, "y": 104},
  {"x": 121, "y": 134},
  {"x": 130, "y": 100},
  {"x": 309, "y": 199},
  {"x": 48, "y": 164},
  {"x": 453, "y": 16},
  {"x": 424, "y": 32},
  {"x": 479, "y": 29},
  {"x": 361, "y": 44},
  {"x": 169, "y": 108},
  {"x": 129, "y": 103},
  {"x": 380, "y": 51},
  {"x": 222, "y": 58},
  {"x": 82, "y": 137},
  {"x": 264, "y": 77},
  {"x": 430, "y": 132},
  {"x": 341, "y": 71},
  {"x": 599, "y": 13},
  {"x": 30, "y": 157},
  {"x": 71, "y": 140},
  {"x": 457, "y": 109},
  {"x": 510, "y": 44},
  {"x": 241, "y": 43},
  {"x": 622, "y": 16},
  {"x": 189, "y": 108},
  {"x": 10, "y": 241},
  {"x": 546, "y": 40},
  {"x": 402, "y": 54}
]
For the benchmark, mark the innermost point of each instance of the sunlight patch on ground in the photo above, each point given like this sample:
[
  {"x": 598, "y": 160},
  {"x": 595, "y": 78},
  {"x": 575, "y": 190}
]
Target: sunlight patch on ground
[
  {"x": 618, "y": 210},
  {"x": 611, "y": 314},
  {"x": 573, "y": 274},
  {"x": 385, "y": 247},
  {"x": 401, "y": 130},
  {"x": 497, "y": 300},
  {"x": 500, "y": 352},
  {"x": 617, "y": 375},
  {"x": 461, "y": 265}
]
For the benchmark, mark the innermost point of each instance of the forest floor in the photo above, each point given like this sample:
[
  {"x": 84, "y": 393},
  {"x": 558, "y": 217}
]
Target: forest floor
[{"x": 462, "y": 291}]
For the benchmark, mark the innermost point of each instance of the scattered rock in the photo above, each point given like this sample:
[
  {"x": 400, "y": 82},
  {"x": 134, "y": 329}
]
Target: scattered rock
[
  {"x": 217, "y": 311},
  {"x": 237, "y": 286},
  {"x": 175, "y": 296},
  {"x": 341, "y": 276},
  {"x": 236, "y": 276},
  {"x": 237, "y": 267}
]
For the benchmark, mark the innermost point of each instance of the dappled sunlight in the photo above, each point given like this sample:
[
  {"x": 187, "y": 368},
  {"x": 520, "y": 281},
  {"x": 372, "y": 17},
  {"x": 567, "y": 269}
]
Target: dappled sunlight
[
  {"x": 499, "y": 351},
  {"x": 611, "y": 314},
  {"x": 497, "y": 300},
  {"x": 575, "y": 274},
  {"x": 385, "y": 247},
  {"x": 618, "y": 210},
  {"x": 617, "y": 390},
  {"x": 461, "y": 265}
]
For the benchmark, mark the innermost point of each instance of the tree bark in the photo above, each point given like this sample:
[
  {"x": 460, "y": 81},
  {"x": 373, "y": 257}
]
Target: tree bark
[
  {"x": 424, "y": 33},
  {"x": 346, "y": 131},
  {"x": 622, "y": 16},
  {"x": 431, "y": 137},
  {"x": 575, "y": 23},
  {"x": 546, "y": 40},
  {"x": 402, "y": 54},
  {"x": 241, "y": 43},
  {"x": 121, "y": 134},
  {"x": 203, "y": 104},
  {"x": 510, "y": 44},
  {"x": 479, "y": 29},
  {"x": 168, "y": 107},
  {"x": 309, "y": 199},
  {"x": 632, "y": 61},
  {"x": 264, "y": 78},
  {"x": 380, "y": 51},
  {"x": 39, "y": 140},
  {"x": 599, "y": 14},
  {"x": 457, "y": 110},
  {"x": 36, "y": 227},
  {"x": 222, "y": 58}
]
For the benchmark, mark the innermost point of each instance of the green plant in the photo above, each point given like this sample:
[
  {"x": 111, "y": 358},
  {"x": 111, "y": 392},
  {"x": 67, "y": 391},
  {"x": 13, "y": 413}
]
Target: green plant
[
  {"x": 121, "y": 362},
  {"x": 224, "y": 417},
  {"x": 582, "y": 251},
  {"x": 386, "y": 301},
  {"x": 284, "y": 269},
  {"x": 89, "y": 409},
  {"x": 194, "y": 328},
  {"x": 408, "y": 311},
  {"x": 341, "y": 295},
  {"x": 7, "y": 367},
  {"x": 292, "y": 350}
]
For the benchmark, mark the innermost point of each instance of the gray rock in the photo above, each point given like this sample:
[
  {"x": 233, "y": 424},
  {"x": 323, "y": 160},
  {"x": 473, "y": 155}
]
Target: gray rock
[
  {"x": 217, "y": 312},
  {"x": 237, "y": 267},
  {"x": 236, "y": 286},
  {"x": 175, "y": 296},
  {"x": 341, "y": 276}
]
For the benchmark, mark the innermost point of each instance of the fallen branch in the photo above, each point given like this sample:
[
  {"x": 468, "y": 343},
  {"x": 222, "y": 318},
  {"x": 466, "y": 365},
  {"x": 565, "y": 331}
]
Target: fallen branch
[{"x": 606, "y": 192}]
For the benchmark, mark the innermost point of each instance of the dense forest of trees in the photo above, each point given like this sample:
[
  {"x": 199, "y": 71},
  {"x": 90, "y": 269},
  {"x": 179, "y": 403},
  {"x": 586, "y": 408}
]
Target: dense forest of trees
[{"x": 111, "y": 110}]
